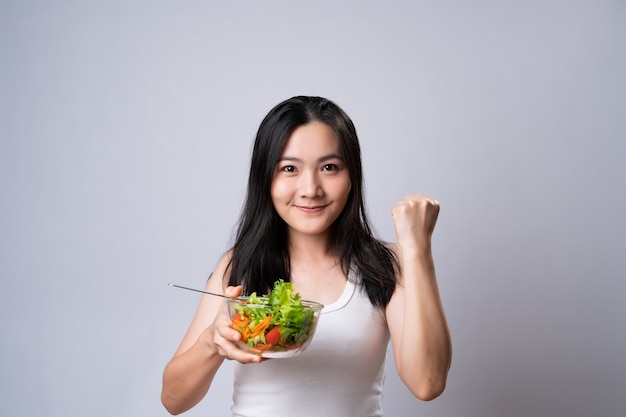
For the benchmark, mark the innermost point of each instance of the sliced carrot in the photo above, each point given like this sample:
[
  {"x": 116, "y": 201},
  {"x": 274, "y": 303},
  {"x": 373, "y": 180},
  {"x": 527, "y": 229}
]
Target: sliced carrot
[
  {"x": 261, "y": 327},
  {"x": 240, "y": 324},
  {"x": 240, "y": 321},
  {"x": 266, "y": 346},
  {"x": 245, "y": 334}
]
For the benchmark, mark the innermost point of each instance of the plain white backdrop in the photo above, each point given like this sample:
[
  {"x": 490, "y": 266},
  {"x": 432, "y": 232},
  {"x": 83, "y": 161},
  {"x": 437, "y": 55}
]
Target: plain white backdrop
[{"x": 125, "y": 135}]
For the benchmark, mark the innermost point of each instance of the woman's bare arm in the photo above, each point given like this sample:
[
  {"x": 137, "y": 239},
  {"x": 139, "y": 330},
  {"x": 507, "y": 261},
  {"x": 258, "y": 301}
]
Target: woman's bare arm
[
  {"x": 208, "y": 341},
  {"x": 415, "y": 315}
]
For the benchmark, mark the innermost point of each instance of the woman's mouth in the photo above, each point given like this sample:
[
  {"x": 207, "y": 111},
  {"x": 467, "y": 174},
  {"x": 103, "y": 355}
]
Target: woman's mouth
[{"x": 310, "y": 209}]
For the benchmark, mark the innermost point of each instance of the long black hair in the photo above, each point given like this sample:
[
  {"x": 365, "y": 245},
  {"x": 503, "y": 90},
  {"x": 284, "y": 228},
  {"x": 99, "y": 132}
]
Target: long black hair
[{"x": 260, "y": 254}]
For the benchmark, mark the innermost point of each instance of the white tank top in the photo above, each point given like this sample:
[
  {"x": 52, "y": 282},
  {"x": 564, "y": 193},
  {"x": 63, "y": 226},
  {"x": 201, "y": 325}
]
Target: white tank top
[{"x": 340, "y": 374}]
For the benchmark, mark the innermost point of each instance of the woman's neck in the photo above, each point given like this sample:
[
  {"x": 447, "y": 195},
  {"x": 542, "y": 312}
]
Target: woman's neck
[
  {"x": 308, "y": 248},
  {"x": 315, "y": 269}
]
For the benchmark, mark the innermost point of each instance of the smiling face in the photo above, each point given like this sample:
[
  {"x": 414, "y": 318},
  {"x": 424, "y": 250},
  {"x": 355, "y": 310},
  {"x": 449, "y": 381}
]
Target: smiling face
[{"x": 311, "y": 183}]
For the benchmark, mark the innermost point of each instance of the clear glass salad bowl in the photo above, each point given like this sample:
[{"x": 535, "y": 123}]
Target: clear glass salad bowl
[{"x": 274, "y": 328}]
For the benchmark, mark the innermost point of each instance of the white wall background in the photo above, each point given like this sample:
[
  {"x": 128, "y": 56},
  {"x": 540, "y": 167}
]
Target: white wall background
[{"x": 125, "y": 131}]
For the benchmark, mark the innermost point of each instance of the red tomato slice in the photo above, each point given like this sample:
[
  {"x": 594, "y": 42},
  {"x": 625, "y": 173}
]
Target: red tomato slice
[{"x": 273, "y": 336}]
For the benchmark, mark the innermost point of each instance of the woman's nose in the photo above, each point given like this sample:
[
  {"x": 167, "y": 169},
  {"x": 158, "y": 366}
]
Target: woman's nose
[{"x": 310, "y": 185}]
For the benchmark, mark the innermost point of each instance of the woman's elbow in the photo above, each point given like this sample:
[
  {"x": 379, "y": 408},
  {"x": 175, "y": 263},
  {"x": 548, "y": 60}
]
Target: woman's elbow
[
  {"x": 426, "y": 388},
  {"x": 171, "y": 405},
  {"x": 428, "y": 391}
]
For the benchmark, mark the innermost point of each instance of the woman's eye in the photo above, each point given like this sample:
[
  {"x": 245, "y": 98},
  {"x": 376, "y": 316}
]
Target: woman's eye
[
  {"x": 329, "y": 167},
  {"x": 288, "y": 168}
]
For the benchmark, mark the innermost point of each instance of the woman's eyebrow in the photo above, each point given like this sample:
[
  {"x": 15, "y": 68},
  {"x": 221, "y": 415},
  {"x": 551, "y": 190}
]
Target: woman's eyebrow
[
  {"x": 320, "y": 159},
  {"x": 330, "y": 156}
]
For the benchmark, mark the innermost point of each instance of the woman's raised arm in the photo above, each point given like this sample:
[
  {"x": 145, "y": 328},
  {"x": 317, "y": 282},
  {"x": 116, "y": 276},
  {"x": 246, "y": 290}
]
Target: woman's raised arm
[{"x": 417, "y": 324}]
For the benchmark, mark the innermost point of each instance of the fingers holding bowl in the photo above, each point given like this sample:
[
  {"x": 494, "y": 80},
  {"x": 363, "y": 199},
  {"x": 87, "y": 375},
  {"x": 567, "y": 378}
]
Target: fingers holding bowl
[{"x": 227, "y": 340}]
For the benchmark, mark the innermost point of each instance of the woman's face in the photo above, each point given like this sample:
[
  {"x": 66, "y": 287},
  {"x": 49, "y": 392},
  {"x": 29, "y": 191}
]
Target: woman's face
[{"x": 311, "y": 183}]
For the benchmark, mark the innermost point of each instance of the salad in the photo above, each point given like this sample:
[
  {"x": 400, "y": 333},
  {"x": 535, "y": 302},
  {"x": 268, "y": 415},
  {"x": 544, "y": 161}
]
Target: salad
[{"x": 275, "y": 322}]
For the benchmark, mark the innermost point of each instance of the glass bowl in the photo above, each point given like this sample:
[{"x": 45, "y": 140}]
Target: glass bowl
[{"x": 273, "y": 331}]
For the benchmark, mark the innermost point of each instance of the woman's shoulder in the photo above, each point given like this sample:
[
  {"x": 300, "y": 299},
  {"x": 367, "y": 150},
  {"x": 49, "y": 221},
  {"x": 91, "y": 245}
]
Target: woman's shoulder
[{"x": 222, "y": 268}]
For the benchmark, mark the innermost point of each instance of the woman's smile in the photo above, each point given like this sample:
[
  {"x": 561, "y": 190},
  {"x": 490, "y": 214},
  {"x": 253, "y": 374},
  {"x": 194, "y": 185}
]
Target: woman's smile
[{"x": 311, "y": 209}]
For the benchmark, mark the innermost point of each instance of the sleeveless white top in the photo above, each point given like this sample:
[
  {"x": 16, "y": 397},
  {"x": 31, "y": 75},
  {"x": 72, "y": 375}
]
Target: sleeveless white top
[{"x": 340, "y": 374}]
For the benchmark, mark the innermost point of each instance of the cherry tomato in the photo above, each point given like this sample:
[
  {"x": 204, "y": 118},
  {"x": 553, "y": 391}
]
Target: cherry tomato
[{"x": 273, "y": 336}]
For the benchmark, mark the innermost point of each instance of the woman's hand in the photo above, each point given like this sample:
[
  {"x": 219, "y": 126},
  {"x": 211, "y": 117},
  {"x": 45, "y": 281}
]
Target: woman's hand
[
  {"x": 224, "y": 337},
  {"x": 414, "y": 219}
]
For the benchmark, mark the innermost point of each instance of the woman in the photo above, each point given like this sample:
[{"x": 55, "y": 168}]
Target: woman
[{"x": 304, "y": 220}]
